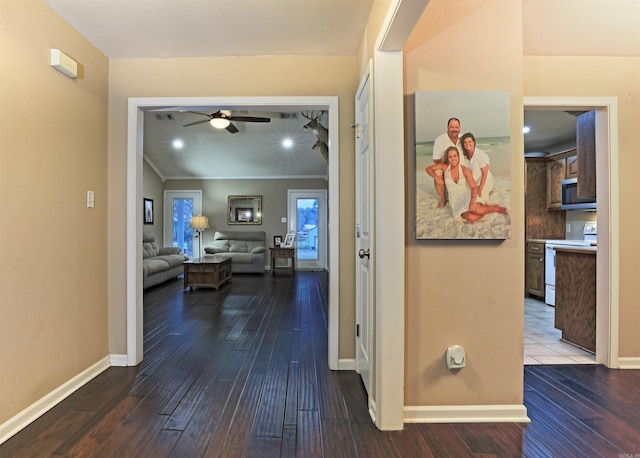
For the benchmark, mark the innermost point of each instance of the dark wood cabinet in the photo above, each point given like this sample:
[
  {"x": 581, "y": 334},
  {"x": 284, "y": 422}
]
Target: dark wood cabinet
[
  {"x": 586, "y": 149},
  {"x": 556, "y": 173},
  {"x": 572, "y": 167},
  {"x": 534, "y": 269},
  {"x": 575, "y": 313},
  {"x": 540, "y": 222}
]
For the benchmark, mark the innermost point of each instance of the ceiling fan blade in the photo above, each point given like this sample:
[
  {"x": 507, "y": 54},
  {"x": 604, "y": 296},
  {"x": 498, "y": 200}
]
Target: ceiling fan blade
[
  {"x": 203, "y": 114},
  {"x": 268, "y": 114},
  {"x": 196, "y": 122},
  {"x": 231, "y": 128},
  {"x": 248, "y": 119}
]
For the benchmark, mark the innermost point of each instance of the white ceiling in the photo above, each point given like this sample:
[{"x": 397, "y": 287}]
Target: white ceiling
[
  {"x": 190, "y": 28},
  {"x": 203, "y": 28},
  {"x": 256, "y": 151}
]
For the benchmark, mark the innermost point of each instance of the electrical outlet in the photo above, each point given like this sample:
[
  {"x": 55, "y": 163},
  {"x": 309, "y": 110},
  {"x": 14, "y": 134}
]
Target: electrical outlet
[
  {"x": 568, "y": 227},
  {"x": 90, "y": 199}
]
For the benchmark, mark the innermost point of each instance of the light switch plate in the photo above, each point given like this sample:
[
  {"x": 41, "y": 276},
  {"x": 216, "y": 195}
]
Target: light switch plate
[
  {"x": 283, "y": 219},
  {"x": 90, "y": 199}
]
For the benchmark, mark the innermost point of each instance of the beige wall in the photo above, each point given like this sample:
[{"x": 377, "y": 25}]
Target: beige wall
[
  {"x": 466, "y": 292},
  {"x": 274, "y": 202},
  {"x": 606, "y": 77},
  {"x": 153, "y": 188},
  {"x": 53, "y": 249},
  {"x": 234, "y": 76}
]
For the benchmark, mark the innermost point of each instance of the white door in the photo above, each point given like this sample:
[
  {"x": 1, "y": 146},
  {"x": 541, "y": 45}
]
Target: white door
[
  {"x": 308, "y": 220},
  {"x": 365, "y": 272},
  {"x": 179, "y": 207}
]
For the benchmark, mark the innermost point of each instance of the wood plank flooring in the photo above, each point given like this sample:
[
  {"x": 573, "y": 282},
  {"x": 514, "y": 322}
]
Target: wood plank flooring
[{"x": 242, "y": 372}]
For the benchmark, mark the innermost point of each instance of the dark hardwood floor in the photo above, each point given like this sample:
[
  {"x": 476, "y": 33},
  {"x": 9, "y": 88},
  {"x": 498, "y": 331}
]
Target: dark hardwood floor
[{"x": 243, "y": 372}]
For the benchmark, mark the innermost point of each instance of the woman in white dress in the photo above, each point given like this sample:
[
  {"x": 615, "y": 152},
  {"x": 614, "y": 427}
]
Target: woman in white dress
[
  {"x": 461, "y": 188},
  {"x": 479, "y": 164}
]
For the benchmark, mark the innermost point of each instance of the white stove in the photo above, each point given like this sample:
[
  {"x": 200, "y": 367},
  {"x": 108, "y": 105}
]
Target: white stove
[{"x": 590, "y": 233}]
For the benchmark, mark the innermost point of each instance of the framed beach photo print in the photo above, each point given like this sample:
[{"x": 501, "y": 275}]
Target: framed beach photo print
[
  {"x": 288, "y": 240},
  {"x": 148, "y": 211},
  {"x": 462, "y": 166}
]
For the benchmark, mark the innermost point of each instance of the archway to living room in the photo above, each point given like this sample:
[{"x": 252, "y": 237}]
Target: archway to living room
[{"x": 136, "y": 113}]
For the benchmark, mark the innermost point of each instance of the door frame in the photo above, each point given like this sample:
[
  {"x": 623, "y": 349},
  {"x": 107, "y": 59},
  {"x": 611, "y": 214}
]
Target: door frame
[
  {"x": 607, "y": 269},
  {"x": 135, "y": 135}
]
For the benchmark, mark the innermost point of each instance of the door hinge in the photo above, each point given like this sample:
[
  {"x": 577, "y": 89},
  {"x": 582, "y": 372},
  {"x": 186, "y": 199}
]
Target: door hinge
[{"x": 357, "y": 330}]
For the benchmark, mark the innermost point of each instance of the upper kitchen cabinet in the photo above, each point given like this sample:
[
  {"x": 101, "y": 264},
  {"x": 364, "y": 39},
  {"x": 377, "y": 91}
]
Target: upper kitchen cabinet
[
  {"x": 586, "y": 149},
  {"x": 560, "y": 167}
]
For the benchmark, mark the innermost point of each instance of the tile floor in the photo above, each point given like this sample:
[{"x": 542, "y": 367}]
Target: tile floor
[{"x": 542, "y": 344}]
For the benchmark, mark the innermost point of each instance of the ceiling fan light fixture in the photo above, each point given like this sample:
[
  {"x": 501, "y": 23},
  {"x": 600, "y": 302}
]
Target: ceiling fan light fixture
[{"x": 220, "y": 123}]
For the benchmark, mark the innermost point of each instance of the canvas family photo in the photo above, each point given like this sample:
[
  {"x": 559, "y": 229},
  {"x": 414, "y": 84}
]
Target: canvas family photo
[{"x": 462, "y": 150}]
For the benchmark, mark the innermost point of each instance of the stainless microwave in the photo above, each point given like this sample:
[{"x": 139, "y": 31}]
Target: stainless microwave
[{"x": 569, "y": 199}]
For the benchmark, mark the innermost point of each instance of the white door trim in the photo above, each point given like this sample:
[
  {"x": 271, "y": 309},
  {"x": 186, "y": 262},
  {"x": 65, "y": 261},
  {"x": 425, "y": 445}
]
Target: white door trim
[
  {"x": 401, "y": 18},
  {"x": 607, "y": 157},
  {"x": 136, "y": 108}
]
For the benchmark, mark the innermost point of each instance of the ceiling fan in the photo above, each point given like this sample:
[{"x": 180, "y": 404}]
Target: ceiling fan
[{"x": 221, "y": 119}]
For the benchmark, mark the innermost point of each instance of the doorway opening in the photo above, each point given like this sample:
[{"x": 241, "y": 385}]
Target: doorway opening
[
  {"x": 607, "y": 281},
  {"x": 136, "y": 110}
]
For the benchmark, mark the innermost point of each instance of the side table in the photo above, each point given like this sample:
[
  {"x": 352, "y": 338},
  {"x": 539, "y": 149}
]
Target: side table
[
  {"x": 207, "y": 272},
  {"x": 283, "y": 253}
]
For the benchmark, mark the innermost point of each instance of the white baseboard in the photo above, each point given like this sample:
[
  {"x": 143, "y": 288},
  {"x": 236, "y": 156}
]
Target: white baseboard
[
  {"x": 119, "y": 360},
  {"x": 35, "y": 410},
  {"x": 628, "y": 363},
  {"x": 466, "y": 414},
  {"x": 347, "y": 364}
]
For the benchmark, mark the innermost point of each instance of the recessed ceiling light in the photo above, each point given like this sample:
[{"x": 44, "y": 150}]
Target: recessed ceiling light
[
  {"x": 287, "y": 143},
  {"x": 178, "y": 144},
  {"x": 526, "y": 129}
]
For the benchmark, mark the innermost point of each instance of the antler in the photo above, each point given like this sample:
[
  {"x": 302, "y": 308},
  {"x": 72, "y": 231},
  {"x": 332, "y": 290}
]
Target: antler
[{"x": 313, "y": 116}]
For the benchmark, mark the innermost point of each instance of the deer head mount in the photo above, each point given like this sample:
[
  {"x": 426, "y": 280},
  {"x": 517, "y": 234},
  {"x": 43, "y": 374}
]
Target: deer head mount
[{"x": 321, "y": 132}]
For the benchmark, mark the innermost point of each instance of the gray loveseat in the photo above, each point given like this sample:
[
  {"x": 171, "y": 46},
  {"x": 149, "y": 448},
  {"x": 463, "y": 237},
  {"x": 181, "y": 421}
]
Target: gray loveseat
[
  {"x": 245, "y": 248},
  {"x": 160, "y": 264}
]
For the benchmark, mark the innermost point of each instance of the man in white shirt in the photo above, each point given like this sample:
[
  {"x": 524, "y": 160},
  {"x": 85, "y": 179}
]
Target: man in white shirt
[{"x": 440, "y": 144}]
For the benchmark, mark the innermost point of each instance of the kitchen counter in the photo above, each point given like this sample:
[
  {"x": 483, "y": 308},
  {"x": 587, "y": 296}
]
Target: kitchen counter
[{"x": 575, "y": 300}]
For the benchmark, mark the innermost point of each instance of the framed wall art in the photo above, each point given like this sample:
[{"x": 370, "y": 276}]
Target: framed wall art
[
  {"x": 462, "y": 166},
  {"x": 148, "y": 211}
]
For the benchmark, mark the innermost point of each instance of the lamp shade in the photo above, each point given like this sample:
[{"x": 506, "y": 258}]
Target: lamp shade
[
  {"x": 199, "y": 222},
  {"x": 220, "y": 123}
]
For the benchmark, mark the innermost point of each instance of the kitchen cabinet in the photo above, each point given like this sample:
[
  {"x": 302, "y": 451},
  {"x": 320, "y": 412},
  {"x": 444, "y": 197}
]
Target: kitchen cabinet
[
  {"x": 534, "y": 269},
  {"x": 586, "y": 153},
  {"x": 575, "y": 313},
  {"x": 540, "y": 222},
  {"x": 560, "y": 167},
  {"x": 572, "y": 167}
]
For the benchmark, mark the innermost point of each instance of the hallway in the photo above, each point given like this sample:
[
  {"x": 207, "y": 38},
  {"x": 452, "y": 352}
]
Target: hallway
[{"x": 242, "y": 372}]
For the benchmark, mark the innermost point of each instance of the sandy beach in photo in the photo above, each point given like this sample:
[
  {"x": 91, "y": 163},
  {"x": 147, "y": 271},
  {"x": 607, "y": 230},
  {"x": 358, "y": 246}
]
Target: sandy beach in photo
[{"x": 438, "y": 223}]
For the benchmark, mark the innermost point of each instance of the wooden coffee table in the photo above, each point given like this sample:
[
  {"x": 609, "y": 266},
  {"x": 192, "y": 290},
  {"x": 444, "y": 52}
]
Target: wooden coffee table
[{"x": 207, "y": 272}]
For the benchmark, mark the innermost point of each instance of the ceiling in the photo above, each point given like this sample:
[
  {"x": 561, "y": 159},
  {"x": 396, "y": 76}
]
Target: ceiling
[
  {"x": 204, "y": 28},
  {"x": 255, "y": 151},
  {"x": 549, "y": 130},
  {"x": 198, "y": 28}
]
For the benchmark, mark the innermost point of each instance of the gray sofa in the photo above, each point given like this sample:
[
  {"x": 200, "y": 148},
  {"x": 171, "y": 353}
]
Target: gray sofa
[
  {"x": 160, "y": 264},
  {"x": 245, "y": 248}
]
